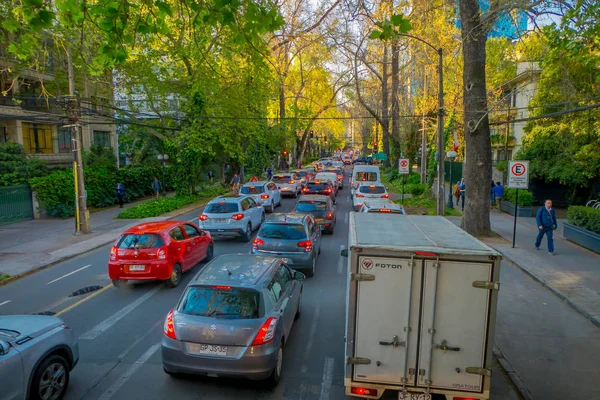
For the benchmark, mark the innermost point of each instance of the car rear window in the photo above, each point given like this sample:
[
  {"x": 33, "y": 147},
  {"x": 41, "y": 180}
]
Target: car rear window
[
  {"x": 252, "y": 189},
  {"x": 222, "y": 207},
  {"x": 365, "y": 176},
  {"x": 301, "y": 174},
  {"x": 140, "y": 241},
  {"x": 307, "y": 206},
  {"x": 372, "y": 189},
  {"x": 282, "y": 178},
  {"x": 282, "y": 231},
  {"x": 318, "y": 186},
  {"x": 220, "y": 302}
]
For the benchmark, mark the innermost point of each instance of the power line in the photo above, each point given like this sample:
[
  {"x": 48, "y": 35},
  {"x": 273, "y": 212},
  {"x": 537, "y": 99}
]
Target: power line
[{"x": 550, "y": 115}]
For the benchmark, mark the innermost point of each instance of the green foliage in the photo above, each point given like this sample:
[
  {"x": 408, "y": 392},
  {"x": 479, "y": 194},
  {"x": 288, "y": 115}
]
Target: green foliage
[
  {"x": 17, "y": 167},
  {"x": 391, "y": 28},
  {"x": 525, "y": 197},
  {"x": 500, "y": 64},
  {"x": 416, "y": 189},
  {"x": 100, "y": 157},
  {"x": 585, "y": 218},
  {"x": 414, "y": 178},
  {"x": 55, "y": 193}
]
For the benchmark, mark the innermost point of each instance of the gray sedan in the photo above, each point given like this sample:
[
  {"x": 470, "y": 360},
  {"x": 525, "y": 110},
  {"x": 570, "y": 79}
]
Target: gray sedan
[{"x": 36, "y": 355}]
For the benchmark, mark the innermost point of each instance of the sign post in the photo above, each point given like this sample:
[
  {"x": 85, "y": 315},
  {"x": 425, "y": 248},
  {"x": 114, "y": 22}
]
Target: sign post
[
  {"x": 518, "y": 178},
  {"x": 403, "y": 170}
]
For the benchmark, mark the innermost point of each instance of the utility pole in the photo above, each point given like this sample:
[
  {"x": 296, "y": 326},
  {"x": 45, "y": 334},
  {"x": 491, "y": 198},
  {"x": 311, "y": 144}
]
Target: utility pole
[
  {"x": 82, "y": 216},
  {"x": 424, "y": 137},
  {"x": 507, "y": 133},
  {"x": 441, "y": 205}
]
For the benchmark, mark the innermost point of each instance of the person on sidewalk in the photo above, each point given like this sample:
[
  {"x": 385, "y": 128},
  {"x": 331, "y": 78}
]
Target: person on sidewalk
[
  {"x": 463, "y": 188},
  {"x": 498, "y": 193},
  {"x": 235, "y": 183},
  {"x": 120, "y": 188},
  {"x": 269, "y": 173},
  {"x": 156, "y": 187},
  {"x": 492, "y": 193},
  {"x": 211, "y": 176},
  {"x": 546, "y": 222}
]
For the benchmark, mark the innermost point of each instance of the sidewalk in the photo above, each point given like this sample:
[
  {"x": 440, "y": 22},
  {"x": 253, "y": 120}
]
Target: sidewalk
[{"x": 28, "y": 246}]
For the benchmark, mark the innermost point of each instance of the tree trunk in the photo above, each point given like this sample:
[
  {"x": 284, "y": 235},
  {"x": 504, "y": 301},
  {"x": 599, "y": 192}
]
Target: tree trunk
[
  {"x": 395, "y": 103},
  {"x": 385, "y": 95},
  {"x": 478, "y": 159}
]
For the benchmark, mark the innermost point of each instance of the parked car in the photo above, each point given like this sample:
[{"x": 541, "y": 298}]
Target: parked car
[
  {"x": 264, "y": 193},
  {"x": 376, "y": 206},
  {"x": 37, "y": 354},
  {"x": 295, "y": 237},
  {"x": 321, "y": 207},
  {"x": 233, "y": 217},
  {"x": 288, "y": 184},
  {"x": 326, "y": 188},
  {"x": 233, "y": 319},
  {"x": 368, "y": 191}
]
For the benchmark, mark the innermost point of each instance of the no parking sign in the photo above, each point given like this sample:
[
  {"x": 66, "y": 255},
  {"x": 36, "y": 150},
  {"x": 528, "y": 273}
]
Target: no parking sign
[{"x": 518, "y": 174}]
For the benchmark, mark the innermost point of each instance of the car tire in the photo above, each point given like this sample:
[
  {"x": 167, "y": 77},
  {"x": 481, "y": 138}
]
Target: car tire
[
  {"x": 262, "y": 219},
  {"x": 175, "y": 277},
  {"x": 275, "y": 377},
  {"x": 248, "y": 234},
  {"x": 272, "y": 208},
  {"x": 46, "y": 374},
  {"x": 118, "y": 283},
  {"x": 299, "y": 310},
  {"x": 311, "y": 271},
  {"x": 295, "y": 195},
  {"x": 210, "y": 253}
]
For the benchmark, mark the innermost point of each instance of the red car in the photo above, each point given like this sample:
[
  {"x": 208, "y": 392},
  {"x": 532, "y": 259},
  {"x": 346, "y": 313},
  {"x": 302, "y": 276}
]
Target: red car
[{"x": 158, "y": 251}]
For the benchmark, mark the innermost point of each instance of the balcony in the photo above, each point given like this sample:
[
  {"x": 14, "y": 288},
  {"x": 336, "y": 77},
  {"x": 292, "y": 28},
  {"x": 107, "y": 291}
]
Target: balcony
[
  {"x": 44, "y": 105},
  {"x": 55, "y": 159}
]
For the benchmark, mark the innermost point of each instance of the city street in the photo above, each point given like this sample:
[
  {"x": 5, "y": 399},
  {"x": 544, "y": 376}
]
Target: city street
[{"x": 120, "y": 329}]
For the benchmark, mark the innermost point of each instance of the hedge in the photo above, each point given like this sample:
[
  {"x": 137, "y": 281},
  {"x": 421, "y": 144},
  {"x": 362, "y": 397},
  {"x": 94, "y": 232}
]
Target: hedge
[
  {"x": 525, "y": 197},
  {"x": 56, "y": 194},
  {"x": 585, "y": 218}
]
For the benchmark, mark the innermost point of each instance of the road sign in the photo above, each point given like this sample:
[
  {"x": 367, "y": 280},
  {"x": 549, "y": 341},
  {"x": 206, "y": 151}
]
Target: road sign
[
  {"x": 403, "y": 168},
  {"x": 518, "y": 174}
]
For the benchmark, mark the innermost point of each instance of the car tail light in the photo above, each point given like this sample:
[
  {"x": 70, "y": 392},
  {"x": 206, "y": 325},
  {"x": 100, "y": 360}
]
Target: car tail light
[
  {"x": 218, "y": 287},
  {"x": 330, "y": 216},
  {"x": 237, "y": 217},
  {"x": 257, "y": 242},
  {"x": 425, "y": 254},
  {"x": 169, "y": 326},
  {"x": 266, "y": 333},
  {"x": 203, "y": 217},
  {"x": 340, "y": 177},
  {"x": 307, "y": 244},
  {"x": 162, "y": 253},
  {"x": 385, "y": 210},
  {"x": 360, "y": 195},
  {"x": 363, "y": 391},
  {"x": 113, "y": 254},
  {"x": 292, "y": 181},
  {"x": 264, "y": 196},
  {"x": 305, "y": 190},
  {"x": 327, "y": 190},
  {"x": 385, "y": 196}
]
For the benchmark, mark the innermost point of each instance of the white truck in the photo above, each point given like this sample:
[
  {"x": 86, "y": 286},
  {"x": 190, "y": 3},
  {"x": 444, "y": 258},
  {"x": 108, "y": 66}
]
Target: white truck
[{"x": 421, "y": 309}]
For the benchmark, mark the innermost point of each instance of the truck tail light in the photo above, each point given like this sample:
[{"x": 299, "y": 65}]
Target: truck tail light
[
  {"x": 162, "y": 253},
  {"x": 364, "y": 391},
  {"x": 266, "y": 333},
  {"x": 360, "y": 195},
  {"x": 237, "y": 217},
  {"x": 385, "y": 196},
  {"x": 307, "y": 244},
  {"x": 203, "y": 217},
  {"x": 114, "y": 254},
  {"x": 257, "y": 242},
  {"x": 169, "y": 327},
  {"x": 330, "y": 216},
  {"x": 264, "y": 196}
]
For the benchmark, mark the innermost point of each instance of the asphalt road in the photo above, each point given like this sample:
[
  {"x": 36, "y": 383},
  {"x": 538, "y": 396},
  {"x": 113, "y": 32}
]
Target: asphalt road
[{"x": 120, "y": 329}]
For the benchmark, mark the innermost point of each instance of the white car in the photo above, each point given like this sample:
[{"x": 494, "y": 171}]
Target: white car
[
  {"x": 384, "y": 207},
  {"x": 288, "y": 184},
  {"x": 366, "y": 191},
  {"x": 330, "y": 176},
  {"x": 264, "y": 193},
  {"x": 232, "y": 217}
]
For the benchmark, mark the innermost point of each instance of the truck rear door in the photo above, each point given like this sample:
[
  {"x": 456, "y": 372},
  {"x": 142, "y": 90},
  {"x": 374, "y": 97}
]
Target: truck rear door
[{"x": 454, "y": 325}]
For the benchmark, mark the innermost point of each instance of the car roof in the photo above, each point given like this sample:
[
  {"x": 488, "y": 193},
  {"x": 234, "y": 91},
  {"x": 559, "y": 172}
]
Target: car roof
[
  {"x": 383, "y": 204},
  {"x": 152, "y": 227},
  {"x": 366, "y": 168},
  {"x": 370, "y": 183},
  {"x": 259, "y": 183},
  {"x": 228, "y": 199},
  {"x": 313, "y": 197},
  {"x": 285, "y": 218},
  {"x": 319, "y": 181},
  {"x": 246, "y": 270}
]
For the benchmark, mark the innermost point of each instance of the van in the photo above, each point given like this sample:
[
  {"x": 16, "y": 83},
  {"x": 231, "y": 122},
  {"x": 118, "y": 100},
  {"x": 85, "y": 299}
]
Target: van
[
  {"x": 330, "y": 176},
  {"x": 365, "y": 173}
]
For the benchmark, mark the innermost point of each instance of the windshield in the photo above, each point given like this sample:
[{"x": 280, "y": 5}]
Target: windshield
[
  {"x": 310, "y": 206},
  {"x": 143, "y": 241},
  {"x": 221, "y": 207},
  {"x": 282, "y": 178},
  {"x": 282, "y": 231},
  {"x": 252, "y": 189},
  {"x": 301, "y": 174},
  {"x": 372, "y": 189},
  {"x": 365, "y": 176},
  {"x": 220, "y": 302},
  {"x": 318, "y": 186}
]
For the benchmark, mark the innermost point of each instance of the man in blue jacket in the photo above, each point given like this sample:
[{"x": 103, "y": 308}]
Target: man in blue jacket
[{"x": 546, "y": 222}]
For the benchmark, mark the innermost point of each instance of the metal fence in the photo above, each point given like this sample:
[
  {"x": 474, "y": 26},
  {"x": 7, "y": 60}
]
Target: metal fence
[
  {"x": 457, "y": 168},
  {"x": 15, "y": 204}
]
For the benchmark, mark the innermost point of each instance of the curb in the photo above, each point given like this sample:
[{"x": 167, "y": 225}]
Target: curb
[
  {"x": 512, "y": 374},
  {"x": 65, "y": 258},
  {"x": 594, "y": 320}
]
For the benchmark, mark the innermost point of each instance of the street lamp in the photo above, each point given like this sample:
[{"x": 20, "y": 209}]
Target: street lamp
[
  {"x": 451, "y": 155},
  {"x": 163, "y": 158}
]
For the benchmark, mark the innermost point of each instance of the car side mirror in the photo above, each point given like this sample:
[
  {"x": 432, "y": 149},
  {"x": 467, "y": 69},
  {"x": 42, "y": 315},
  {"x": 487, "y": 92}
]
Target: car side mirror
[
  {"x": 4, "y": 347},
  {"x": 202, "y": 233},
  {"x": 344, "y": 253},
  {"x": 299, "y": 276}
]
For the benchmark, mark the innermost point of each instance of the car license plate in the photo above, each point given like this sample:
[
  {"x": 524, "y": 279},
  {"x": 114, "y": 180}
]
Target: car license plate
[
  {"x": 211, "y": 350},
  {"x": 220, "y": 220},
  {"x": 137, "y": 267}
]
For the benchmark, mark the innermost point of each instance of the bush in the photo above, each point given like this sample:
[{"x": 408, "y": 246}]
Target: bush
[
  {"x": 585, "y": 218},
  {"x": 525, "y": 197},
  {"x": 414, "y": 179},
  {"x": 417, "y": 189},
  {"x": 17, "y": 167},
  {"x": 55, "y": 193}
]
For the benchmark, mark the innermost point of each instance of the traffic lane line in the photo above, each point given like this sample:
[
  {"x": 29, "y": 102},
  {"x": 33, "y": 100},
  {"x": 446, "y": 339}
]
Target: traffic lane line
[
  {"x": 80, "y": 302},
  {"x": 327, "y": 378},
  {"x": 311, "y": 337},
  {"x": 69, "y": 274},
  {"x": 138, "y": 340},
  {"x": 5, "y": 302}
]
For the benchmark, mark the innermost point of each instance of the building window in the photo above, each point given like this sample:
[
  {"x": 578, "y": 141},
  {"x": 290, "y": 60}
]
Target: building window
[
  {"x": 64, "y": 141},
  {"x": 102, "y": 138},
  {"x": 37, "y": 138}
]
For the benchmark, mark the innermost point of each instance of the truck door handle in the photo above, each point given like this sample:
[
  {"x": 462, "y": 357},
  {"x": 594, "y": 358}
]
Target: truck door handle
[
  {"x": 444, "y": 346},
  {"x": 394, "y": 343}
]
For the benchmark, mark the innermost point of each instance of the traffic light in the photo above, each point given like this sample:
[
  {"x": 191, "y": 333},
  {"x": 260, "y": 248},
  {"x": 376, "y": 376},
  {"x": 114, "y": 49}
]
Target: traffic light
[
  {"x": 311, "y": 133},
  {"x": 375, "y": 146},
  {"x": 324, "y": 138},
  {"x": 284, "y": 153}
]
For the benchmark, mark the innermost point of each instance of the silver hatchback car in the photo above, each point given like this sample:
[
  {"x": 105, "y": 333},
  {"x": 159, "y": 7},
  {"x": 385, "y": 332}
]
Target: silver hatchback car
[
  {"x": 37, "y": 352},
  {"x": 232, "y": 217},
  {"x": 233, "y": 319}
]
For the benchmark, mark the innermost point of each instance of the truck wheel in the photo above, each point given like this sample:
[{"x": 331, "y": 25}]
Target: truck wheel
[
  {"x": 175, "y": 277},
  {"x": 50, "y": 379}
]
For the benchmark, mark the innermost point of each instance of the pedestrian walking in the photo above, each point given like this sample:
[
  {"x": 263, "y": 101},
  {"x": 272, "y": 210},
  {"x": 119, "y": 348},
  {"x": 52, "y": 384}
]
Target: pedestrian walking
[
  {"x": 498, "y": 193},
  {"x": 211, "y": 175},
  {"x": 546, "y": 222},
  {"x": 120, "y": 189},
  {"x": 235, "y": 183},
  {"x": 270, "y": 173},
  {"x": 463, "y": 188},
  {"x": 492, "y": 194},
  {"x": 156, "y": 187}
]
